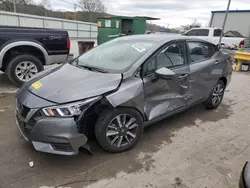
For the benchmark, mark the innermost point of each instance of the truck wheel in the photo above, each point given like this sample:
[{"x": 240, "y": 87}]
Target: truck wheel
[
  {"x": 216, "y": 96},
  {"x": 23, "y": 67},
  {"x": 118, "y": 130}
]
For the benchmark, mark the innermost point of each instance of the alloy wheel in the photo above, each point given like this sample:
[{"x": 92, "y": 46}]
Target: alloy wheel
[
  {"x": 121, "y": 130},
  {"x": 217, "y": 94},
  {"x": 25, "y": 70}
]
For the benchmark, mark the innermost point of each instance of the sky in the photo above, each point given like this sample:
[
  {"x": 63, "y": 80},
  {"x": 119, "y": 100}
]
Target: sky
[{"x": 173, "y": 13}]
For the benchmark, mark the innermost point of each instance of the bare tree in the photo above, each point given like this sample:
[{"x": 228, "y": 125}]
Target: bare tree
[
  {"x": 45, "y": 3},
  {"x": 195, "y": 23},
  {"x": 46, "y": 6},
  {"x": 9, "y": 4},
  {"x": 92, "y": 6}
]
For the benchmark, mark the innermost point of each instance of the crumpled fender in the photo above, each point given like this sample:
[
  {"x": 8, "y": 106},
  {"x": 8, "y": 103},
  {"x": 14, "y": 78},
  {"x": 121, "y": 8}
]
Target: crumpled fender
[{"x": 130, "y": 93}]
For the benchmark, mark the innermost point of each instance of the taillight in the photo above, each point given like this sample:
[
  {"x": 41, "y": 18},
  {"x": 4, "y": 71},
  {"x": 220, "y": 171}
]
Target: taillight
[
  {"x": 242, "y": 43},
  {"x": 68, "y": 43}
]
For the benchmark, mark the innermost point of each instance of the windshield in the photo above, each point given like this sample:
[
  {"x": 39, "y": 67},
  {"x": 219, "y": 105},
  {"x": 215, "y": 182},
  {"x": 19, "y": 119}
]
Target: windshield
[{"x": 115, "y": 56}]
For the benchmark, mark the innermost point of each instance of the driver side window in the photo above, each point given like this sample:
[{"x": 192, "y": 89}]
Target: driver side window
[{"x": 169, "y": 57}]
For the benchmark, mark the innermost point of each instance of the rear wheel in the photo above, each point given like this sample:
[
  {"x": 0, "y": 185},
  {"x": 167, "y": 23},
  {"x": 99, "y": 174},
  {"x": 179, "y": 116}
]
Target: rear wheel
[
  {"x": 216, "y": 96},
  {"x": 23, "y": 67},
  {"x": 119, "y": 130}
]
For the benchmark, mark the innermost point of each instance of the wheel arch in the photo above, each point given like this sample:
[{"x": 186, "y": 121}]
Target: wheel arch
[
  {"x": 224, "y": 79},
  {"x": 91, "y": 115},
  {"x": 8, "y": 47}
]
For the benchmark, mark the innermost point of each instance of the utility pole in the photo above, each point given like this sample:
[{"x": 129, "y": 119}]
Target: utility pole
[
  {"x": 224, "y": 23},
  {"x": 74, "y": 11},
  {"x": 14, "y": 2}
]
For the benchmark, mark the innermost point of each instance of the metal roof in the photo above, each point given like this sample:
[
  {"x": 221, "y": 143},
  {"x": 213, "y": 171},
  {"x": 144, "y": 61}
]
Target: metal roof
[
  {"x": 128, "y": 17},
  {"x": 223, "y": 11}
]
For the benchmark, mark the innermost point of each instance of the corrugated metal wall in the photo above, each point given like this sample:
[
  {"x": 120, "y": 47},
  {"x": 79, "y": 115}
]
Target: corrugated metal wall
[
  {"x": 76, "y": 29},
  {"x": 237, "y": 21}
]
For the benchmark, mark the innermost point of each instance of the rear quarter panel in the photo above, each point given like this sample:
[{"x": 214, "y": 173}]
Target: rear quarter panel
[{"x": 225, "y": 67}]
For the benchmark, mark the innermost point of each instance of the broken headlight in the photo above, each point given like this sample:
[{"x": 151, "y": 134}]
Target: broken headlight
[{"x": 67, "y": 110}]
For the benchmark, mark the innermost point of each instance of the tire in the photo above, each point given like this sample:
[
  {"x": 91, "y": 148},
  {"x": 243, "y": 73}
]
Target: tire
[
  {"x": 216, "y": 96},
  {"x": 128, "y": 141},
  {"x": 21, "y": 61}
]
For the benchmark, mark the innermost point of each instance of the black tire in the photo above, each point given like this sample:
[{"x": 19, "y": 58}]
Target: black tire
[
  {"x": 209, "y": 103},
  {"x": 101, "y": 129},
  {"x": 10, "y": 70}
]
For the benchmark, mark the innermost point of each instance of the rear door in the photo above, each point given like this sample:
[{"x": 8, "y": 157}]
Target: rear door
[
  {"x": 164, "y": 96},
  {"x": 205, "y": 68}
]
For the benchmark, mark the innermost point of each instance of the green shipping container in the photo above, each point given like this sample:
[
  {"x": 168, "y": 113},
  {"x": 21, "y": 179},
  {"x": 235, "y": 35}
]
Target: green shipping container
[{"x": 116, "y": 26}]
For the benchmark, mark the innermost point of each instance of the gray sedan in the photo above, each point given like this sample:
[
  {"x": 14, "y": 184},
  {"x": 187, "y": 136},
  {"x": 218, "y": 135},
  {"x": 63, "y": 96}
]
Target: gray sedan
[{"x": 116, "y": 89}]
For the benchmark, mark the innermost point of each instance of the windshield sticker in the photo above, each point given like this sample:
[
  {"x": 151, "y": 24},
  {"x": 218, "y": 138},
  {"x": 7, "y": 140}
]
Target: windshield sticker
[
  {"x": 138, "y": 47},
  {"x": 37, "y": 85}
]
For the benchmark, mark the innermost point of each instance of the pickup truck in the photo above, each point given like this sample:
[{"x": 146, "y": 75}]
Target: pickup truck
[
  {"x": 25, "y": 51},
  {"x": 213, "y": 35}
]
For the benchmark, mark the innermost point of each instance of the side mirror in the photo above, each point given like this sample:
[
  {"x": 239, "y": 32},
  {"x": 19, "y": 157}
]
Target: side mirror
[{"x": 165, "y": 73}]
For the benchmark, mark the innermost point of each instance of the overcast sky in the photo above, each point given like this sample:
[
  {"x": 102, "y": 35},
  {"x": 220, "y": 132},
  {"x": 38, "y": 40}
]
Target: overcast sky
[{"x": 173, "y": 13}]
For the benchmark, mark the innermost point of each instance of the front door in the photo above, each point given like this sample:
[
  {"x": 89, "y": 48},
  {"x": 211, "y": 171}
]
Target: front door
[{"x": 164, "y": 96}]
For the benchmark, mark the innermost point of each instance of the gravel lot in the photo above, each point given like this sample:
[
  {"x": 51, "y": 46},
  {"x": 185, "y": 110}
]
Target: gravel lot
[{"x": 199, "y": 148}]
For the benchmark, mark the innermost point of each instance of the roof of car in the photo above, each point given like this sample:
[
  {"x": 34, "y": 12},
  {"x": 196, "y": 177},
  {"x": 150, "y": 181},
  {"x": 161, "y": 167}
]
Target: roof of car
[{"x": 159, "y": 38}]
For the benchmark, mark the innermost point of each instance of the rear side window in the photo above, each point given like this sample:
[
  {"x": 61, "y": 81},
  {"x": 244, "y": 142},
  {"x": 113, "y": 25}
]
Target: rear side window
[
  {"x": 202, "y": 32},
  {"x": 200, "y": 51},
  {"x": 191, "y": 33},
  {"x": 217, "y": 32},
  {"x": 198, "y": 32}
]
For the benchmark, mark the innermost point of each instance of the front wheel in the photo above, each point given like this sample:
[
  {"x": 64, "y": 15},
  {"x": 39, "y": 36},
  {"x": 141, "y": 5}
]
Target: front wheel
[
  {"x": 216, "y": 96},
  {"x": 118, "y": 130}
]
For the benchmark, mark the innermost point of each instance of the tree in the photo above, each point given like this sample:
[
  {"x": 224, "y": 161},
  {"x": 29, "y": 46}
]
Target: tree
[
  {"x": 9, "y": 4},
  {"x": 45, "y": 3},
  {"x": 195, "y": 23},
  {"x": 92, "y": 6},
  {"x": 46, "y": 6}
]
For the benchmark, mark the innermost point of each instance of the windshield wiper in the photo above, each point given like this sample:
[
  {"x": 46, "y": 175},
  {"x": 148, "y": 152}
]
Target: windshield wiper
[{"x": 92, "y": 68}]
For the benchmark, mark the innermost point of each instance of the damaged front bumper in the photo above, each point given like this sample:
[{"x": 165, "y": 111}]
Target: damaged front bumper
[
  {"x": 57, "y": 135},
  {"x": 53, "y": 135}
]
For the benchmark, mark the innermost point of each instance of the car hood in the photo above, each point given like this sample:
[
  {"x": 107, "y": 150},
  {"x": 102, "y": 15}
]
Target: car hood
[{"x": 70, "y": 83}]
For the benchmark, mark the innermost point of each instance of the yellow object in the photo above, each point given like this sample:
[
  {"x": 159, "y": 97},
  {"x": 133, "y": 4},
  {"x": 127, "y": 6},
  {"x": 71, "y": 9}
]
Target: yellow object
[
  {"x": 37, "y": 85},
  {"x": 242, "y": 55},
  {"x": 239, "y": 56},
  {"x": 238, "y": 66}
]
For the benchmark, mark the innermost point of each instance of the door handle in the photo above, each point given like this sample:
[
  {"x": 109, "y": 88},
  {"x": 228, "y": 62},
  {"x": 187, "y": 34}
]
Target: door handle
[
  {"x": 216, "y": 62},
  {"x": 183, "y": 76}
]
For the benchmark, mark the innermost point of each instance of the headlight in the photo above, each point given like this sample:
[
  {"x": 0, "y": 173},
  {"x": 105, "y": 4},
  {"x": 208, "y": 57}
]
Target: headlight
[{"x": 68, "y": 110}]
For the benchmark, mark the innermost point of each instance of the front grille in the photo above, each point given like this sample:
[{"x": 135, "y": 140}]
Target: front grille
[
  {"x": 25, "y": 111},
  {"x": 32, "y": 121},
  {"x": 22, "y": 110}
]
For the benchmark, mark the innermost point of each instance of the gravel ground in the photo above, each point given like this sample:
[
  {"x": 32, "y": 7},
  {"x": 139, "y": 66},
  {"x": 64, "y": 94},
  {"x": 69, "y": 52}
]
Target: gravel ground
[{"x": 195, "y": 149}]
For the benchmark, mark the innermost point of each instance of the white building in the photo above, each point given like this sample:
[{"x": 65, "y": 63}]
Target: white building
[{"x": 237, "y": 20}]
